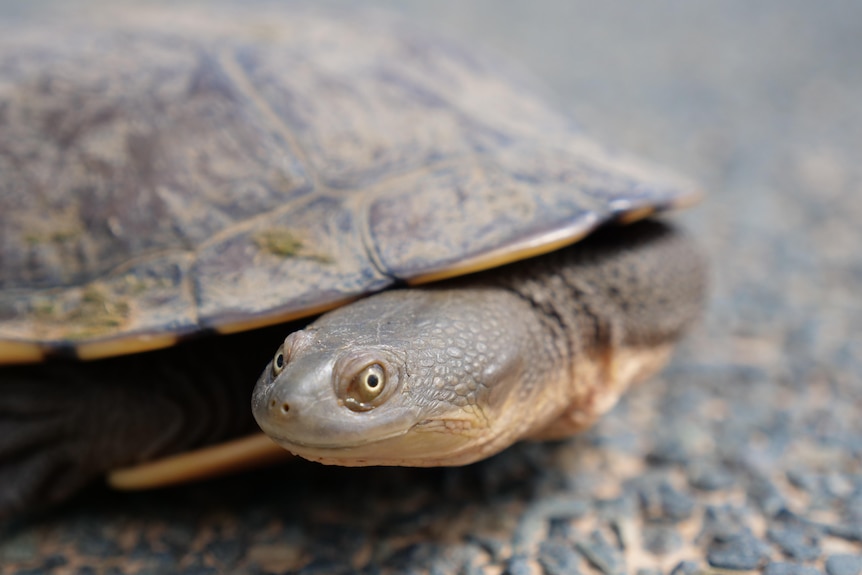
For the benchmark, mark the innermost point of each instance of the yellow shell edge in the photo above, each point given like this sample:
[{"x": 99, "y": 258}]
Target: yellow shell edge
[{"x": 233, "y": 456}]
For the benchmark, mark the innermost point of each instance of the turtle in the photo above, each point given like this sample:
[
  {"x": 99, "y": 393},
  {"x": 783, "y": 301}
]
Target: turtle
[{"x": 374, "y": 244}]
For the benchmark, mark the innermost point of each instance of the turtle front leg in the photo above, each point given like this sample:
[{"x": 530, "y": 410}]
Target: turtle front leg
[{"x": 62, "y": 425}]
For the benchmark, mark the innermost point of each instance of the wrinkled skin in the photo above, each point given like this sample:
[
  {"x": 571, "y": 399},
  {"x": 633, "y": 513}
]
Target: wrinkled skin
[{"x": 65, "y": 423}]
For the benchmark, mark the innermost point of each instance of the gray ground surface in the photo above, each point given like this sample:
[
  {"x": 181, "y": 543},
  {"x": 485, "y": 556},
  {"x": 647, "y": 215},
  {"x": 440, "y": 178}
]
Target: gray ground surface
[{"x": 744, "y": 455}]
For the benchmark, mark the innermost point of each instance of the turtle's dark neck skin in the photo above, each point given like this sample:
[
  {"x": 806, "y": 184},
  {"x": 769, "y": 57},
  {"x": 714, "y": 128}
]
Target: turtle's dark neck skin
[
  {"x": 63, "y": 424},
  {"x": 461, "y": 370}
]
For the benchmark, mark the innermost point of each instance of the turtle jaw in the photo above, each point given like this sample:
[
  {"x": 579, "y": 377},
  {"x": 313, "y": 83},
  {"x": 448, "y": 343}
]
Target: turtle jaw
[{"x": 410, "y": 448}]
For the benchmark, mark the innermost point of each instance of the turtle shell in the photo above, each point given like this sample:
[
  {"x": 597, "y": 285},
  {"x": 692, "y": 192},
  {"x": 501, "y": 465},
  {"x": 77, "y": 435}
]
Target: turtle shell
[{"x": 160, "y": 177}]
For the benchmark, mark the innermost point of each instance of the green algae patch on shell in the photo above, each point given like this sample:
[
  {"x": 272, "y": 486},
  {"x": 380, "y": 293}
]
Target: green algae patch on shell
[
  {"x": 287, "y": 243},
  {"x": 143, "y": 301}
]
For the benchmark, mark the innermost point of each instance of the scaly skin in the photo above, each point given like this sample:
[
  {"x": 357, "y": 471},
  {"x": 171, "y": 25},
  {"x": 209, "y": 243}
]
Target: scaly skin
[
  {"x": 537, "y": 349},
  {"x": 65, "y": 424}
]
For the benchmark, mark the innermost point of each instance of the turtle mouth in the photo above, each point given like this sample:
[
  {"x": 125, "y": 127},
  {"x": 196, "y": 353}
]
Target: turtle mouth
[
  {"x": 413, "y": 446},
  {"x": 393, "y": 449},
  {"x": 295, "y": 445}
]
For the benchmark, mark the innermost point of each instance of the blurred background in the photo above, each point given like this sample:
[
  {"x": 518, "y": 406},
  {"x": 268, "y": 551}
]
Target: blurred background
[{"x": 746, "y": 454}]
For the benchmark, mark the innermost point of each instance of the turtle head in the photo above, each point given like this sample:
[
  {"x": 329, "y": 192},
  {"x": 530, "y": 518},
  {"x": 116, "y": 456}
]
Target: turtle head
[{"x": 410, "y": 377}]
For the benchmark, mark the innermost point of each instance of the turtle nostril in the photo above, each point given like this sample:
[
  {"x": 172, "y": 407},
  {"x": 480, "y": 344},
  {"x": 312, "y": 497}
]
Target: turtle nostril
[{"x": 285, "y": 407}]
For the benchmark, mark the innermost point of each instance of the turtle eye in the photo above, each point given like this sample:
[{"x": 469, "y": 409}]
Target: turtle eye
[
  {"x": 278, "y": 362},
  {"x": 365, "y": 387}
]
